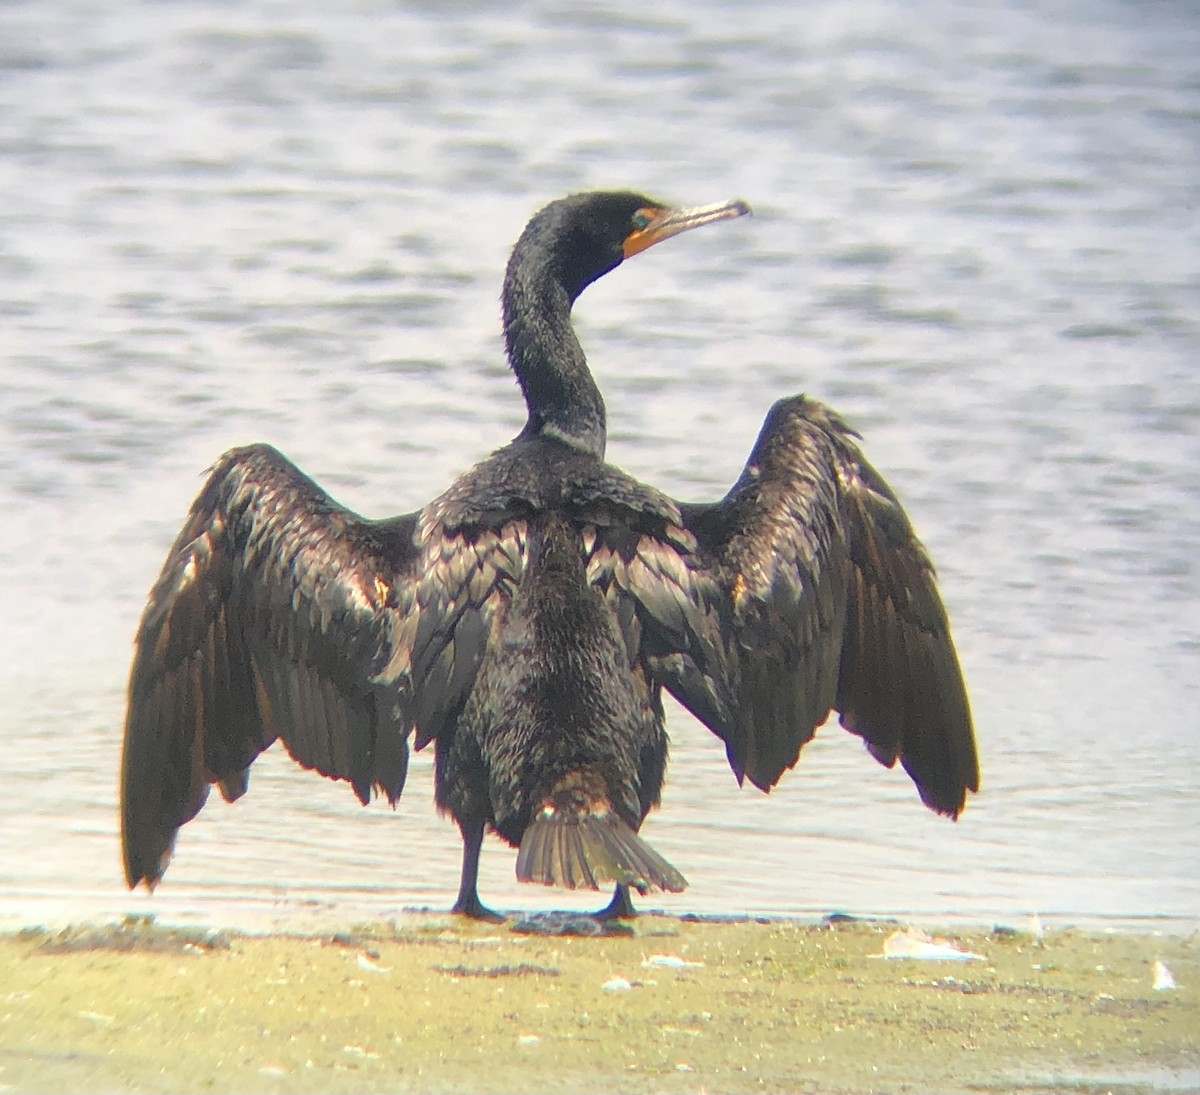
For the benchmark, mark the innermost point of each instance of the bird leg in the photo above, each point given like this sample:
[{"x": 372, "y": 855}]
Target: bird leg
[
  {"x": 468, "y": 903},
  {"x": 620, "y": 907}
]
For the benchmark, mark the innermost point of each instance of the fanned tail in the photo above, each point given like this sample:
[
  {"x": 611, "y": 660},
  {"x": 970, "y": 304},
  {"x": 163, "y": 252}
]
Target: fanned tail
[{"x": 587, "y": 851}]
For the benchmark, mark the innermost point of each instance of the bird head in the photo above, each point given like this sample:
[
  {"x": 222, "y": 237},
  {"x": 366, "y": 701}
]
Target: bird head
[{"x": 587, "y": 235}]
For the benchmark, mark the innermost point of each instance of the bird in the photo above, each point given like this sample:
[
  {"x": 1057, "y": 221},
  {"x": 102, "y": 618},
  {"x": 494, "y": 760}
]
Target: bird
[{"x": 526, "y": 621}]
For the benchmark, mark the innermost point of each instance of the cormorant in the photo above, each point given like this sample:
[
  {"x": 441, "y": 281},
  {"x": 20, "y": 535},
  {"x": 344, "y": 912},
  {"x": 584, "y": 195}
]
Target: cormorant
[{"x": 527, "y": 620}]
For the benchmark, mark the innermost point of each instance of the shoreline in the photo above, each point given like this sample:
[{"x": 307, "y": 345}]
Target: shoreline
[
  {"x": 313, "y": 916},
  {"x": 427, "y": 1002}
]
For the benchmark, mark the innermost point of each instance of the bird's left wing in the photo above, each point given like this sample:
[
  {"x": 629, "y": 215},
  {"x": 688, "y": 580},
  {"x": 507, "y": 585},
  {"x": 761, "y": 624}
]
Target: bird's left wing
[{"x": 271, "y": 618}]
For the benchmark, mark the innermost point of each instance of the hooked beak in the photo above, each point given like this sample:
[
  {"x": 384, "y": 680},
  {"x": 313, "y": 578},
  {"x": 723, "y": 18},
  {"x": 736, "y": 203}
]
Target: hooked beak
[{"x": 665, "y": 223}]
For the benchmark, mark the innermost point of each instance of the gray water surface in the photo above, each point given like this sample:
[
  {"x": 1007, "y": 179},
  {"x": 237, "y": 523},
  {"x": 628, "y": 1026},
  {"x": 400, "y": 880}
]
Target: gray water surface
[{"x": 976, "y": 234}]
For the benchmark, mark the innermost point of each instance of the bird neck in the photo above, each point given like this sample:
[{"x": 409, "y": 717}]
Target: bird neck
[{"x": 544, "y": 353}]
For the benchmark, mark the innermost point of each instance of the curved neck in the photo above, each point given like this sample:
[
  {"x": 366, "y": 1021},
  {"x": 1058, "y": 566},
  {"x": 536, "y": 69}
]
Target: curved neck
[{"x": 546, "y": 357}]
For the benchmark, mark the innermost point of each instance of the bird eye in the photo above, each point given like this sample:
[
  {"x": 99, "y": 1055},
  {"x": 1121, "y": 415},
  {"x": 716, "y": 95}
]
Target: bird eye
[{"x": 641, "y": 220}]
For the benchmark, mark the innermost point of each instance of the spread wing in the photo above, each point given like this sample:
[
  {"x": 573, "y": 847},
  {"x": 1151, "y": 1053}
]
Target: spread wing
[
  {"x": 805, "y": 590},
  {"x": 281, "y": 614},
  {"x": 270, "y": 619}
]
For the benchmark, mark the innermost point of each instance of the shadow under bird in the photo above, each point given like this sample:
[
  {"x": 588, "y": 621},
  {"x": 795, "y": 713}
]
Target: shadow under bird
[{"x": 527, "y": 620}]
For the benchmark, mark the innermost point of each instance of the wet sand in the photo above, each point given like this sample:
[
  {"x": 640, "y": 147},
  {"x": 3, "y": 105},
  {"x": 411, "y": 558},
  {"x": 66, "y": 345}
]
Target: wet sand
[{"x": 430, "y": 1004}]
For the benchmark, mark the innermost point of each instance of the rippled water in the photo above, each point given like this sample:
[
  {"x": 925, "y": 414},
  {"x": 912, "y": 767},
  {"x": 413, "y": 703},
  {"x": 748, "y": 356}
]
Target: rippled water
[{"x": 976, "y": 234}]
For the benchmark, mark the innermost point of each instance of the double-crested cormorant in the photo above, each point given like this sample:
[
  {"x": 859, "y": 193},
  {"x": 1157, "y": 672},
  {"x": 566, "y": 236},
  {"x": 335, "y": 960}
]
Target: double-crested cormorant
[{"x": 527, "y": 620}]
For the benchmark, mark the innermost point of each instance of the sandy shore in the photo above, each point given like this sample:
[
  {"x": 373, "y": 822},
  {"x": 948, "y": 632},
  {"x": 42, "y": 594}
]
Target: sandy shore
[{"x": 434, "y": 1005}]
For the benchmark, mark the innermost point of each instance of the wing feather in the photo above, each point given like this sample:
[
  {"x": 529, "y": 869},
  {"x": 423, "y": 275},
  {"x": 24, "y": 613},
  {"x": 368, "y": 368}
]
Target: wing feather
[
  {"x": 265, "y": 622},
  {"x": 664, "y": 604},
  {"x": 901, "y": 687},
  {"x": 828, "y": 601},
  {"x": 466, "y": 579}
]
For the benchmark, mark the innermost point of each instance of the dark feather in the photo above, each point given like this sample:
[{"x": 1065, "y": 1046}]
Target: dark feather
[
  {"x": 270, "y": 619},
  {"x": 830, "y": 603}
]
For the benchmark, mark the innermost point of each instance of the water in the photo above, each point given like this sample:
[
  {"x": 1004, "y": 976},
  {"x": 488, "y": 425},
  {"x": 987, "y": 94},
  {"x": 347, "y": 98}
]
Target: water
[{"x": 976, "y": 235}]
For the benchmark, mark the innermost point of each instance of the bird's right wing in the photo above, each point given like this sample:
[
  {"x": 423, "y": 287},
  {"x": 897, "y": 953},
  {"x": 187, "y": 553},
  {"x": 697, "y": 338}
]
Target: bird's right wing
[
  {"x": 827, "y": 601},
  {"x": 271, "y": 618}
]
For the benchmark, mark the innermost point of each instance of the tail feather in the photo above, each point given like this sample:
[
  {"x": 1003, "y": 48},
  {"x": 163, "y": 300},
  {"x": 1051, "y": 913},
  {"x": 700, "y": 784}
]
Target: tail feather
[{"x": 585, "y": 851}]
